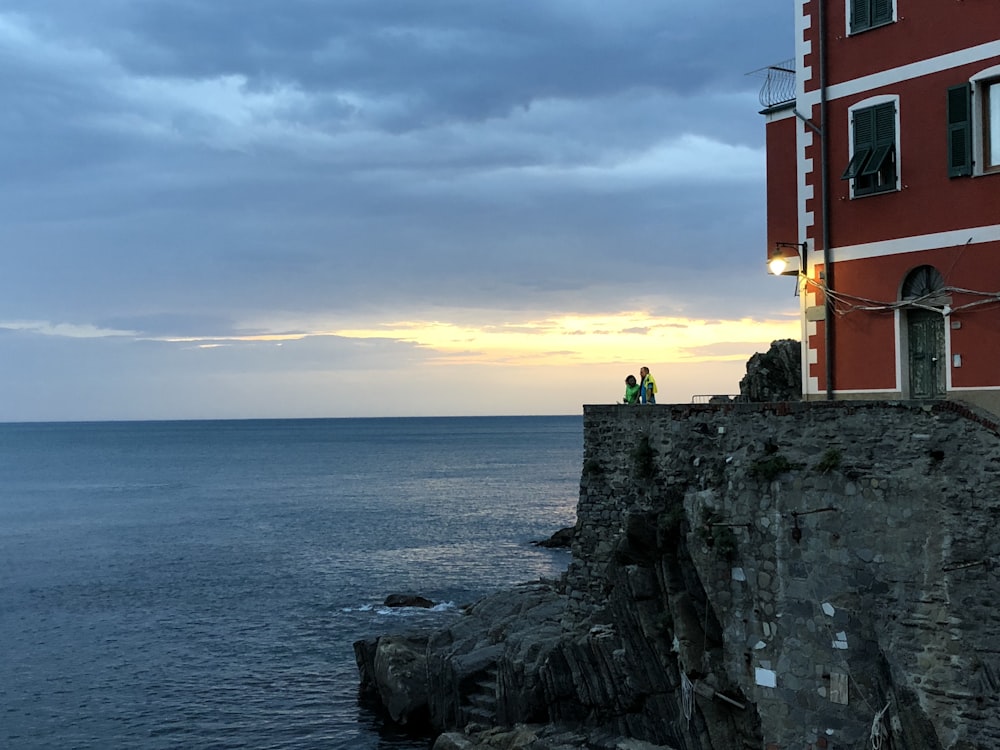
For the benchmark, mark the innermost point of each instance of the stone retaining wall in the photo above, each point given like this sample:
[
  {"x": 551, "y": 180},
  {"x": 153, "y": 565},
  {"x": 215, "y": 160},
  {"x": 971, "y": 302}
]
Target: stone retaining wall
[{"x": 848, "y": 553}]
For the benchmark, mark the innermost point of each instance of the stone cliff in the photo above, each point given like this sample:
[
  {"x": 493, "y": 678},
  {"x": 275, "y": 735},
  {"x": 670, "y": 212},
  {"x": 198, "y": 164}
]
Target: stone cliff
[{"x": 783, "y": 575}]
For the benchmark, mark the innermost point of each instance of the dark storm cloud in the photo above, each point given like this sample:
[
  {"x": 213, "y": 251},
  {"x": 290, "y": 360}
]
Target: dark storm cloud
[
  {"x": 450, "y": 59},
  {"x": 468, "y": 59},
  {"x": 171, "y": 165}
]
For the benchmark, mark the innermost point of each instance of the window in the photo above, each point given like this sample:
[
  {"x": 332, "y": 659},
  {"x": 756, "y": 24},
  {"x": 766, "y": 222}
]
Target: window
[
  {"x": 867, "y": 14},
  {"x": 974, "y": 126},
  {"x": 873, "y": 163},
  {"x": 991, "y": 125},
  {"x": 924, "y": 283},
  {"x": 959, "y": 131}
]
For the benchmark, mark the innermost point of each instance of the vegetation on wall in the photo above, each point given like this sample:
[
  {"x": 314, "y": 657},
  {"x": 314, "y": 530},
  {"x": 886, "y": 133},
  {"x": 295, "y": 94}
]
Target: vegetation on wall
[
  {"x": 643, "y": 458},
  {"x": 829, "y": 461},
  {"x": 770, "y": 468}
]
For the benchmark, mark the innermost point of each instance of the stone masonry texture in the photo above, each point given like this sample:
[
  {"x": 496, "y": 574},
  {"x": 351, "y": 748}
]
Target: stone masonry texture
[
  {"x": 842, "y": 562},
  {"x": 744, "y": 576}
]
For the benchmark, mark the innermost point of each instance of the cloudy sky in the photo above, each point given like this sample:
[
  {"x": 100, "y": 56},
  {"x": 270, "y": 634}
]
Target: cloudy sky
[{"x": 321, "y": 208}]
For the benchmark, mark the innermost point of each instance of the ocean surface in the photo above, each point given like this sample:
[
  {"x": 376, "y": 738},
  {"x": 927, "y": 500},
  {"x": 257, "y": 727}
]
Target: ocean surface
[{"x": 200, "y": 584}]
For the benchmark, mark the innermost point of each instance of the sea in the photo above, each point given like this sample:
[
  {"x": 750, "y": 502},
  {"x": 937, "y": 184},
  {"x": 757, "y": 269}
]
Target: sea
[{"x": 200, "y": 584}]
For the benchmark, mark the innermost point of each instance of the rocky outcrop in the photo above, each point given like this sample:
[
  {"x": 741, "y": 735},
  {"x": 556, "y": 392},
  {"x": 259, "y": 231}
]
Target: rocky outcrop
[
  {"x": 795, "y": 575},
  {"x": 774, "y": 375},
  {"x": 562, "y": 539}
]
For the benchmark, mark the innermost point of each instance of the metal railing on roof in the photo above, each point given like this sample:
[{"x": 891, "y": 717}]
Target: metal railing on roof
[{"x": 779, "y": 83}]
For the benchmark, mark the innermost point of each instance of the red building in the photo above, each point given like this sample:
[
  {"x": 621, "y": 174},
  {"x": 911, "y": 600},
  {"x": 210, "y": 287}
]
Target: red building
[{"x": 883, "y": 187}]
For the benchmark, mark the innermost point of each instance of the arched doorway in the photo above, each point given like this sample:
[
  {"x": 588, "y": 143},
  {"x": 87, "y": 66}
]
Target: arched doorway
[{"x": 923, "y": 288}]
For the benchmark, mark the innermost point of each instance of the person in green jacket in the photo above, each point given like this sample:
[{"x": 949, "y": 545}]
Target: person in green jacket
[{"x": 632, "y": 389}]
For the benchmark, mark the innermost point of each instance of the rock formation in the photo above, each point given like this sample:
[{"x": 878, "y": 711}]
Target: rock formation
[
  {"x": 795, "y": 575},
  {"x": 559, "y": 540},
  {"x": 774, "y": 375}
]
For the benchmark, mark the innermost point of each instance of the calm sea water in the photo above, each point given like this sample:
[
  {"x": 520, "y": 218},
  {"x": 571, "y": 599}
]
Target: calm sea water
[{"x": 200, "y": 584}]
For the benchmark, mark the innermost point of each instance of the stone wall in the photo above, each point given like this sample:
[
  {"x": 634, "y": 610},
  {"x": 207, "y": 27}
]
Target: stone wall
[{"x": 822, "y": 571}]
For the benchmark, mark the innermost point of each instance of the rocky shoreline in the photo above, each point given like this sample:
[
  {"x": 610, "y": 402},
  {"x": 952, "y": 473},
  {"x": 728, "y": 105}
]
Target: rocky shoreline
[
  {"x": 529, "y": 667},
  {"x": 542, "y": 666},
  {"x": 743, "y": 577}
]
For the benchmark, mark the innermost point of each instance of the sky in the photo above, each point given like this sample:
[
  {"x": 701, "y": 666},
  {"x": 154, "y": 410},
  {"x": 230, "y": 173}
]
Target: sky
[{"x": 334, "y": 208}]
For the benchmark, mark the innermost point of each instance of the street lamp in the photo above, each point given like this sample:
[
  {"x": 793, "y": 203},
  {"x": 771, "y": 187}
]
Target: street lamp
[{"x": 787, "y": 259}]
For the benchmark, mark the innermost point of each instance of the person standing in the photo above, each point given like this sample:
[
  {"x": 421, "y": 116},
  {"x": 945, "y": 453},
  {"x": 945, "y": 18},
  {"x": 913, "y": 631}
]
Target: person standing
[
  {"x": 647, "y": 388},
  {"x": 632, "y": 390}
]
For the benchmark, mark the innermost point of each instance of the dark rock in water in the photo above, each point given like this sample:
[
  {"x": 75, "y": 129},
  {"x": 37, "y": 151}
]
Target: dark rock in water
[
  {"x": 407, "y": 600},
  {"x": 775, "y": 375},
  {"x": 392, "y": 670},
  {"x": 562, "y": 539}
]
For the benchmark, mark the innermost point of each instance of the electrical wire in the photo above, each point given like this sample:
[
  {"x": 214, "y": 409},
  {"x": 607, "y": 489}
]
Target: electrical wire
[{"x": 845, "y": 303}]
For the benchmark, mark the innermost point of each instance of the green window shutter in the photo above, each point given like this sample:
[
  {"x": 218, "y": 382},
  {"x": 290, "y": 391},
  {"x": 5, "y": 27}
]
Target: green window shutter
[
  {"x": 861, "y": 17},
  {"x": 885, "y": 123},
  {"x": 881, "y": 11},
  {"x": 879, "y": 155},
  {"x": 885, "y": 146},
  {"x": 864, "y": 142},
  {"x": 873, "y": 166},
  {"x": 959, "y": 131},
  {"x": 864, "y": 128},
  {"x": 857, "y": 161}
]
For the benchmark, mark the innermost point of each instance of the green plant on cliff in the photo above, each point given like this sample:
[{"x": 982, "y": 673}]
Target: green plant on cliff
[
  {"x": 770, "y": 467},
  {"x": 643, "y": 457},
  {"x": 829, "y": 461}
]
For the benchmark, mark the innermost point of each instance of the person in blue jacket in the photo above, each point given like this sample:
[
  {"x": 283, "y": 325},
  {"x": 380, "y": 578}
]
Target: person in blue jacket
[{"x": 647, "y": 388}]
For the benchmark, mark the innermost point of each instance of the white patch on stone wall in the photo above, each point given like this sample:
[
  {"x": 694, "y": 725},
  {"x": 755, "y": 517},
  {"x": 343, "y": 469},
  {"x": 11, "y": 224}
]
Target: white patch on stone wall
[
  {"x": 739, "y": 575},
  {"x": 838, "y": 688},
  {"x": 766, "y": 677},
  {"x": 828, "y": 609}
]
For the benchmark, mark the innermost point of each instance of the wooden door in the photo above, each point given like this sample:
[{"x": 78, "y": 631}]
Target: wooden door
[{"x": 925, "y": 337}]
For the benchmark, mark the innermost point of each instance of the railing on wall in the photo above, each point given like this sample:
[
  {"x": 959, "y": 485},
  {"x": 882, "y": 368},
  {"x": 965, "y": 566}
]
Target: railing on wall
[
  {"x": 714, "y": 398},
  {"x": 779, "y": 83}
]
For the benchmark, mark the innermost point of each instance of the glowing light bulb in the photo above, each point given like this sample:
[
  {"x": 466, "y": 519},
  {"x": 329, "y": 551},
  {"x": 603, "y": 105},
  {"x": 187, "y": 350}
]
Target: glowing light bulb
[{"x": 777, "y": 265}]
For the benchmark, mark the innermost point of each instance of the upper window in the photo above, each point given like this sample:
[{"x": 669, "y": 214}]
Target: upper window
[
  {"x": 873, "y": 160},
  {"x": 990, "y": 91},
  {"x": 974, "y": 126},
  {"x": 867, "y": 14},
  {"x": 959, "y": 131}
]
